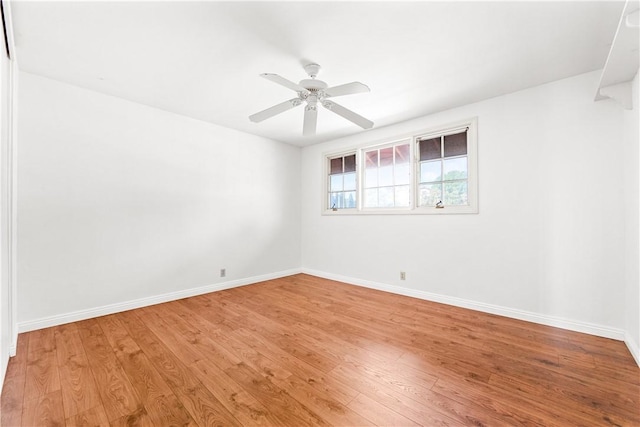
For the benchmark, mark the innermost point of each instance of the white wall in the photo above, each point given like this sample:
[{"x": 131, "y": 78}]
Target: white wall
[
  {"x": 549, "y": 238},
  {"x": 121, "y": 202},
  {"x": 632, "y": 223}
]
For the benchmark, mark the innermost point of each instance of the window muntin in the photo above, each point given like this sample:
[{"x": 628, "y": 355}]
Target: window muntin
[
  {"x": 387, "y": 176},
  {"x": 443, "y": 166},
  {"x": 342, "y": 183}
]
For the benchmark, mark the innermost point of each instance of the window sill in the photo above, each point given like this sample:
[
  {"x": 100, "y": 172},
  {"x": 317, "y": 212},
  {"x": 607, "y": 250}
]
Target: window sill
[{"x": 448, "y": 210}]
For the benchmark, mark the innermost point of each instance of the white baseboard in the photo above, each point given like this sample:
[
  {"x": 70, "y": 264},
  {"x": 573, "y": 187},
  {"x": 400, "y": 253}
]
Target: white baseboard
[
  {"x": 632, "y": 345},
  {"x": 104, "y": 310},
  {"x": 543, "y": 319}
]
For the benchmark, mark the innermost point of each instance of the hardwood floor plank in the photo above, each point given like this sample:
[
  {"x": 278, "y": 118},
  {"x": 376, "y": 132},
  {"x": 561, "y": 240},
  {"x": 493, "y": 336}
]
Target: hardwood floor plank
[
  {"x": 379, "y": 414},
  {"x": 12, "y": 397},
  {"x": 402, "y": 402},
  {"x": 118, "y": 395},
  {"x": 42, "y": 376},
  {"x": 549, "y": 399},
  {"x": 302, "y": 350},
  {"x": 203, "y": 407},
  {"x": 12, "y": 401},
  {"x": 244, "y": 407},
  {"x": 290, "y": 411},
  {"x": 44, "y": 410},
  {"x": 93, "y": 417},
  {"x": 308, "y": 373},
  {"x": 504, "y": 406},
  {"x": 162, "y": 406},
  {"x": 144, "y": 378},
  {"x": 139, "y": 418},
  {"x": 79, "y": 391}
]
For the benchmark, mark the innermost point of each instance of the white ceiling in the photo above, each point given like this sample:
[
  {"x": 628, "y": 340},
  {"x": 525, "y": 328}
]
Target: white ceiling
[{"x": 203, "y": 59}]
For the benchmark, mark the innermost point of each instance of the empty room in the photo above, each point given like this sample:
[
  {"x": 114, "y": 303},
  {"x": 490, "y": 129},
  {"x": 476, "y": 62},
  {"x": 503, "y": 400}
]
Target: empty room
[{"x": 319, "y": 213}]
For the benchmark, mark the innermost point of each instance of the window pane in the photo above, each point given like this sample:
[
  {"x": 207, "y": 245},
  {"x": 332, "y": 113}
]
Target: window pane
[
  {"x": 402, "y": 153},
  {"x": 431, "y": 171},
  {"x": 455, "y": 168},
  {"x": 335, "y": 200},
  {"x": 336, "y": 165},
  {"x": 371, "y": 198},
  {"x": 350, "y": 199},
  {"x": 336, "y": 183},
  {"x": 371, "y": 159},
  {"x": 402, "y": 173},
  {"x": 386, "y": 156},
  {"x": 402, "y": 195},
  {"x": 371, "y": 177},
  {"x": 429, "y": 194},
  {"x": 430, "y": 149},
  {"x": 385, "y": 175},
  {"x": 385, "y": 197},
  {"x": 350, "y": 163},
  {"x": 455, "y": 193},
  {"x": 349, "y": 181},
  {"x": 455, "y": 145}
]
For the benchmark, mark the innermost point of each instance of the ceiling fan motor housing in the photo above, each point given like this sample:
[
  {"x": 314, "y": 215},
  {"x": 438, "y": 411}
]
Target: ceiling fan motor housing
[{"x": 313, "y": 85}]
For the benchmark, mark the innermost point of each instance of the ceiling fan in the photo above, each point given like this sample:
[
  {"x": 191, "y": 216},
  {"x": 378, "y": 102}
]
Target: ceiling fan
[{"x": 314, "y": 92}]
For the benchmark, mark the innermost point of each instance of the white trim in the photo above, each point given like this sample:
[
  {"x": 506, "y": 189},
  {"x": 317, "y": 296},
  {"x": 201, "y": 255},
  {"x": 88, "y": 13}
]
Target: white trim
[
  {"x": 13, "y": 209},
  {"x": 633, "y": 347},
  {"x": 542, "y": 319},
  {"x": 104, "y": 310}
]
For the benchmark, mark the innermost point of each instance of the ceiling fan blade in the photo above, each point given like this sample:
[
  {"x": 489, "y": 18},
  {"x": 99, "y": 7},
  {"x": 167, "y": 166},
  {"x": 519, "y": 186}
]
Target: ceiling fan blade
[
  {"x": 348, "y": 114},
  {"x": 284, "y": 82},
  {"x": 276, "y": 109},
  {"x": 310, "y": 120},
  {"x": 346, "y": 89}
]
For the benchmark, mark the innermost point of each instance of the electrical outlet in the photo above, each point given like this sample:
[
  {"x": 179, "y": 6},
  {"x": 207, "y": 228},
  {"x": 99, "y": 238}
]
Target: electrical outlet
[
  {"x": 223, "y": 272},
  {"x": 403, "y": 275}
]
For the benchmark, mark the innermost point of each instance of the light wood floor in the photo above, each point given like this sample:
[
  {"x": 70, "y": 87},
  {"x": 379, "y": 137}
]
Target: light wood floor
[{"x": 307, "y": 351}]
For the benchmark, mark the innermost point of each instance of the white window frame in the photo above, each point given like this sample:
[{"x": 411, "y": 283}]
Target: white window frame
[
  {"x": 361, "y": 178},
  {"x": 472, "y": 173},
  {"x": 327, "y": 177}
]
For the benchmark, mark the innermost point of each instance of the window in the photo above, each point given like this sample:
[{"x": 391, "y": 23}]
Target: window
[
  {"x": 431, "y": 172},
  {"x": 443, "y": 170},
  {"x": 342, "y": 182},
  {"x": 387, "y": 176}
]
